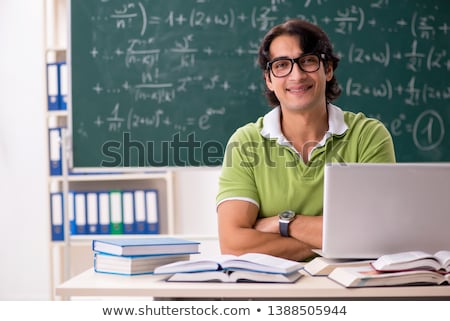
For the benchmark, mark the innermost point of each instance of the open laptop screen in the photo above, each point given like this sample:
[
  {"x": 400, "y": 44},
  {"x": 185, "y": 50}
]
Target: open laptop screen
[{"x": 375, "y": 209}]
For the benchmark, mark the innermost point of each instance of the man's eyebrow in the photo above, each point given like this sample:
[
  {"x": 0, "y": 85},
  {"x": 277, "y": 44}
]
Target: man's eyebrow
[{"x": 280, "y": 57}]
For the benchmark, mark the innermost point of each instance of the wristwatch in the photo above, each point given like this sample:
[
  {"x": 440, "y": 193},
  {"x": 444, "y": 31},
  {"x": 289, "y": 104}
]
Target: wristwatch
[{"x": 284, "y": 218}]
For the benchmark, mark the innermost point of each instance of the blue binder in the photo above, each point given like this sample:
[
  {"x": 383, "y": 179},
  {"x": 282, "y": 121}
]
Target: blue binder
[
  {"x": 55, "y": 151},
  {"x": 140, "y": 216},
  {"x": 63, "y": 88},
  {"x": 57, "y": 217},
  {"x": 53, "y": 98},
  {"x": 152, "y": 211},
  {"x": 80, "y": 213},
  {"x": 92, "y": 213},
  {"x": 71, "y": 212},
  {"x": 104, "y": 212},
  {"x": 116, "y": 225},
  {"x": 128, "y": 212}
]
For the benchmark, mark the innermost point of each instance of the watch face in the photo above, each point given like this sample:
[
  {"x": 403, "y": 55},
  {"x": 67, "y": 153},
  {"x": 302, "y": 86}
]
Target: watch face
[{"x": 287, "y": 215}]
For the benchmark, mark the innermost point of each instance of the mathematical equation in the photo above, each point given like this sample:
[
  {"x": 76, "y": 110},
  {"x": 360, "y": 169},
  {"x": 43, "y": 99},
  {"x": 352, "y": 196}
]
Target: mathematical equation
[
  {"x": 430, "y": 59},
  {"x": 427, "y": 129},
  {"x": 346, "y": 20},
  {"x": 118, "y": 120},
  {"x": 161, "y": 93},
  {"x": 410, "y": 93},
  {"x": 146, "y": 51}
]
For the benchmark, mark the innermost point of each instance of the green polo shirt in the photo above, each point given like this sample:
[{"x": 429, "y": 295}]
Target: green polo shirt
[{"x": 260, "y": 166}]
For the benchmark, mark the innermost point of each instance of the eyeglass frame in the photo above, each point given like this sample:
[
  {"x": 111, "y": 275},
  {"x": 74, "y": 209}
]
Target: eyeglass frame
[{"x": 293, "y": 61}]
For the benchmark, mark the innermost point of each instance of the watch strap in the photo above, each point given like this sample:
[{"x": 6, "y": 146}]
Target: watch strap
[{"x": 284, "y": 228}]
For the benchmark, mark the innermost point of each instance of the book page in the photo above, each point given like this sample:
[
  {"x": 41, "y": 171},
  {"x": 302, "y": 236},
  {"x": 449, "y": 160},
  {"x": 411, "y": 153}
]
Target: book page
[
  {"x": 262, "y": 262},
  {"x": 324, "y": 266},
  {"x": 365, "y": 277},
  {"x": 406, "y": 260},
  {"x": 444, "y": 259},
  {"x": 187, "y": 266}
]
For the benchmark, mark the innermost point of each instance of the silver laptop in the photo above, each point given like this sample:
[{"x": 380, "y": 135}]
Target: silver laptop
[{"x": 375, "y": 209}]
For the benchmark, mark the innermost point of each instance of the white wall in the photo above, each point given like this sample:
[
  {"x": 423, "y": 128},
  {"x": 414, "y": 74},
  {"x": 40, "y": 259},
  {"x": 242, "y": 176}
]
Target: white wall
[
  {"x": 24, "y": 235},
  {"x": 24, "y": 239},
  {"x": 195, "y": 196}
]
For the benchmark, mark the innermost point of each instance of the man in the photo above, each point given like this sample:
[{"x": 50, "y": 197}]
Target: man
[{"x": 270, "y": 196}]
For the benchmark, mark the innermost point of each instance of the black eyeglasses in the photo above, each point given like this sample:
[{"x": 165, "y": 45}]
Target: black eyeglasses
[{"x": 281, "y": 67}]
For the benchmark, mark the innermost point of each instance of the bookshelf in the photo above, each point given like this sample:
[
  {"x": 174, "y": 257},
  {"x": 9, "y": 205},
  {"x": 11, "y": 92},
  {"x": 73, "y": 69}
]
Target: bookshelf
[{"x": 72, "y": 254}]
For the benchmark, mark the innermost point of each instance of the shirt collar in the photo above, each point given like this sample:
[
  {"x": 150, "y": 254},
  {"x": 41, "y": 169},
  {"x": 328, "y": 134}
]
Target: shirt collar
[{"x": 272, "y": 126}]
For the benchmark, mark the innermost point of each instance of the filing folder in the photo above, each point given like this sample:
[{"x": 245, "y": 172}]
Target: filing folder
[
  {"x": 116, "y": 225},
  {"x": 55, "y": 151},
  {"x": 128, "y": 212},
  {"x": 63, "y": 80},
  {"x": 104, "y": 212},
  {"x": 71, "y": 212},
  {"x": 57, "y": 218},
  {"x": 151, "y": 202},
  {"x": 92, "y": 213},
  {"x": 80, "y": 213},
  {"x": 53, "y": 86},
  {"x": 139, "y": 212}
]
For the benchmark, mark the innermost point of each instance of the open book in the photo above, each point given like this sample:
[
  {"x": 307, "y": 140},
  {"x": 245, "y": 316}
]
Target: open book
[
  {"x": 413, "y": 260},
  {"x": 321, "y": 266},
  {"x": 235, "y": 276},
  {"x": 251, "y": 262},
  {"x": 366, "y": 276}
]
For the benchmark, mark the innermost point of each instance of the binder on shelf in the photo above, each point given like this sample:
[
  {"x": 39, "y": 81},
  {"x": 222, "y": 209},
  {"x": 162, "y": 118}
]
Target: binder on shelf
[
  {"x": 116, "y": 225},
  {"x": 63, "y": 80},
  {"x": 104, "y": 213},
  {"x": 139, "y": 212},
  {"x": 55, "y": 151},
  {"x": 152, "y": 211},
  {"x": 71, "y": 212},
  {"x": 53, "y": 86},
  {"x": 80, "y": 213},
  {"x": 56, "y": 215},
  {"x": 92, "y": 213},
  {"x": 128, "y": 212}
]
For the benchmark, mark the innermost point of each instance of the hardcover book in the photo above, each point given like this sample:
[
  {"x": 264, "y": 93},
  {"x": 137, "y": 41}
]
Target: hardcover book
[
  {"x": 145, "y": 246},
  {"x": 366, "y": 276},
  {"x": 230, "y": 276},
  {"x": 133, "y": 265},
  {"x": 321, "y": 266},
  {"x": 413, "y": 260}
]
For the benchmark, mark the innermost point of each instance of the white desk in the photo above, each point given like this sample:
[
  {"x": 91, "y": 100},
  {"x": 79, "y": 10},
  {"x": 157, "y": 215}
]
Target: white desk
[{"x": 90, "y": 283}]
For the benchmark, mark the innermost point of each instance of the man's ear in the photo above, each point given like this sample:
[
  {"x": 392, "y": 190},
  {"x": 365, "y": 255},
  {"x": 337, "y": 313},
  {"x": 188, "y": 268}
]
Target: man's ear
[
  {"x": 329, "y": 72},
  {"x": 268, "y": 80}
]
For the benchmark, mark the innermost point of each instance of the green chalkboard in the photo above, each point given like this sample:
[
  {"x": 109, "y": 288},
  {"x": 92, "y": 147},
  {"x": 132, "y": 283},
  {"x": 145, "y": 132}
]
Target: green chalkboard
[{"x": 165, "y": 83}]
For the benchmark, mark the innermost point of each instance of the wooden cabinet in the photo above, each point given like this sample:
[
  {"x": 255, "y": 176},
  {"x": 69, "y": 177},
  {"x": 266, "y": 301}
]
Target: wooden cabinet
[{"x": 71, "y": 252}]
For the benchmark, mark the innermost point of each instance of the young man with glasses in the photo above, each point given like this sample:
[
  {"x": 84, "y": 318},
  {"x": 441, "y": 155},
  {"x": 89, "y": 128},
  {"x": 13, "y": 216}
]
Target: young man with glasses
[{"x": 271, "y": 186}]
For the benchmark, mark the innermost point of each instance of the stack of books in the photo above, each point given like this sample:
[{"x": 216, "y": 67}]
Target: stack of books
[
  {"x": 250, "y": 267},
  {"x": 404, "y": 268},
  {"x": 134, "y": 256}
]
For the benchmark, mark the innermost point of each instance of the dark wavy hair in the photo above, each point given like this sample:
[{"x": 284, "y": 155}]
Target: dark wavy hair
[{"x": 312, "y": 40}]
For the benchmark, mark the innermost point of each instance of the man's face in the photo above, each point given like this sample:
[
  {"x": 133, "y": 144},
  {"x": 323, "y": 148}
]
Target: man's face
[{"x": 298, "y": 91}]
